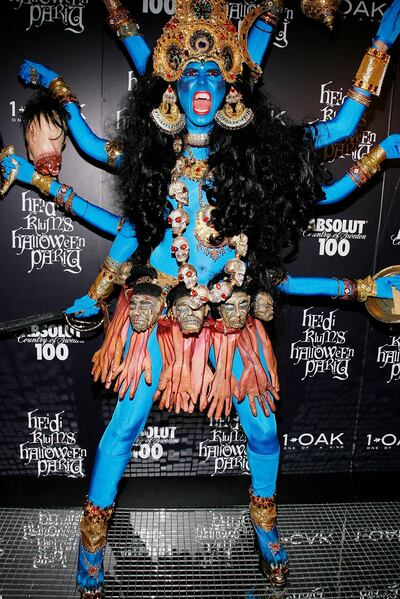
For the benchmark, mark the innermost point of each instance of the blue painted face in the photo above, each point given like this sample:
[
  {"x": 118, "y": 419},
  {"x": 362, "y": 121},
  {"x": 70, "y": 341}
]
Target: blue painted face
[{"x": 201, "y": 90}]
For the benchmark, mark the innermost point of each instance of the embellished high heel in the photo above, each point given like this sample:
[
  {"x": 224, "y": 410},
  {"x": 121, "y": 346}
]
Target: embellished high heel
[
  {"x": 273, "y": 557},
  {"x": 93, "y": 526}
]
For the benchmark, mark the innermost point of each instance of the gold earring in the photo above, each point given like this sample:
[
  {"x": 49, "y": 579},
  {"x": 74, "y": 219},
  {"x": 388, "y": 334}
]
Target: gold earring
[
  {"x": 234, "y": 114},
  {"x": 167, "y": 116}
]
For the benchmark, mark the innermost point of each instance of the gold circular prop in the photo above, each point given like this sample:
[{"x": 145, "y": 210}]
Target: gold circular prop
[{"x": 384, "y": 309}]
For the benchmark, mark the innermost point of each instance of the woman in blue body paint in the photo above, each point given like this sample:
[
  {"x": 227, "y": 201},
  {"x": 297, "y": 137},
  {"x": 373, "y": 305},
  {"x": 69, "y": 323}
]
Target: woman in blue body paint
[{"x": 243, "y": 184}]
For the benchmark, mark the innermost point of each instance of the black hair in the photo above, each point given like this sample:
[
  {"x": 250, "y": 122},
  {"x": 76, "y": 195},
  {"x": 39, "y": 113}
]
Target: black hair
[
  {"x": 43, "y": 103},
  {"x": 144, "y": 287},
  {"x": 175, "y": 293},
  {"x": 266, "y": 178}
]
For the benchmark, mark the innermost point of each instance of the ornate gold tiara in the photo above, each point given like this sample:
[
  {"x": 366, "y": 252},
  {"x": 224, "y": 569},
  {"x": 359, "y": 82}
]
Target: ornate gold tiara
[{"x": 201, "y": 30}]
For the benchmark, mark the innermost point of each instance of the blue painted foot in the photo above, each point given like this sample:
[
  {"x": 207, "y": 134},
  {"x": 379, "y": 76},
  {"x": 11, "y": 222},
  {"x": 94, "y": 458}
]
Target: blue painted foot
[
  {"x": 273, "y": 557},
  {"x": 90, "y": 574}
]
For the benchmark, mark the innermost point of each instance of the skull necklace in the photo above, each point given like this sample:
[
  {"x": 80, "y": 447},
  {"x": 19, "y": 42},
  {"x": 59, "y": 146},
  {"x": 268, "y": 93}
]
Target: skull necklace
[{"x": 178, "y": 219}]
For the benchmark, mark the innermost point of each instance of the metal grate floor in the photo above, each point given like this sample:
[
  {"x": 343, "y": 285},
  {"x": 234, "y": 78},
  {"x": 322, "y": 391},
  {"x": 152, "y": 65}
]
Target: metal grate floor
[{"x": 337, "y": 551}]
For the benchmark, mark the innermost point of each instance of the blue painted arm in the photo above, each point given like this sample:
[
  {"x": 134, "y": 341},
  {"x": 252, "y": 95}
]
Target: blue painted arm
[
  {"x": 338, "y": 190},
  {"x": 94, "y": 215},
  {"x": 346, "y": 185},
  {"x": 122, "y": 249},
  {"x": 139, "y": 52},
  {"x": 324, "y": 286},
  {"x": 349, "y": 114},
  {"x": 389, "y": 27},
  {"x": 258, "y": 40},
  {"x": 343, "y": 125},
  {"x": 87, "y": 141}
]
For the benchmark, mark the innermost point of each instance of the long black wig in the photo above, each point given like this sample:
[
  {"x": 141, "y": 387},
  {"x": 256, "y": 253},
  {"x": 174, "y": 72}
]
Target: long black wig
[{"x": 266, "y": 178}]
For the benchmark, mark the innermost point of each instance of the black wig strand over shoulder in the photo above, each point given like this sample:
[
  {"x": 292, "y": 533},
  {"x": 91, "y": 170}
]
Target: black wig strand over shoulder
[{"x": 145, "y": 173}]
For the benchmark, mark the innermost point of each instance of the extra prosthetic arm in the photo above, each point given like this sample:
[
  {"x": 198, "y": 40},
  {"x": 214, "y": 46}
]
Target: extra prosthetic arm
[
  {"x": 368, "y": 80},
  {"x": 362, "y": 170},
  {"x": 102, "y": 150},
  {"x": 345, "y": 289},
  {"x": 121, "y": 22},
  {"x": 17, "y": 168},
  {"x": 114, "y": 270}
]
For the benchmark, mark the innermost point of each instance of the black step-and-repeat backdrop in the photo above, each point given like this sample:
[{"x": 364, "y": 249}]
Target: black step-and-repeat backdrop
[{"x": 339, "y": 370}]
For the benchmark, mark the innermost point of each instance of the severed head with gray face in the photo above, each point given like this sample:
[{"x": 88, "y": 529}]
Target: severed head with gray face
[
  {"x": 263, "y": 306},
  {"x": 235, "y": 309},
  {"x": 190, "y": 320},
  {"x": 146, "y": 304}
]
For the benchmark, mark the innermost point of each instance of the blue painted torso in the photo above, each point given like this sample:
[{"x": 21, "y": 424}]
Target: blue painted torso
[{"x": 162, "y": 259}]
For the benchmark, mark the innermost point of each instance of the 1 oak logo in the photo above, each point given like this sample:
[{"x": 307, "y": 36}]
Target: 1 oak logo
[{"x": 307, "y": 440}]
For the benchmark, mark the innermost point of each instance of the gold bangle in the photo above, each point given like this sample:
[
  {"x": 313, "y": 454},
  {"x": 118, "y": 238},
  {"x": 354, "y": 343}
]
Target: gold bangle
[
  {"x": 112, "y": 4},
  {"x": 114, "y": 151},
  {"x": 62, "y": 91},
  {"x": 68, "y": 203},
  {"x": 111, "y": 273},
  {"x": 371, "y": 72},
  {"x": 42, "y": 182},
  {"x": 365, "y": 168},
  {"x": 365, "y": 288},
  {"x": 128, "y": 29},
  {"x": 370, "y": 162},
  {"x": 357, "y": 96}
]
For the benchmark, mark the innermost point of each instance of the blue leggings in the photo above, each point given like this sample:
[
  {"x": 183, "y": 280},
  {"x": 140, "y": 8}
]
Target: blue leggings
[{"x": 129, "y": 419}]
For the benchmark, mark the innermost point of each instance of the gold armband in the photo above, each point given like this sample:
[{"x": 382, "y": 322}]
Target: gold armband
[
  {"x": 357, "y": 96},
  {"x": 114, "y": 151},
  {"x": 372, "y": 71},
  {"x": 111, "y": 273},
  {"x": 62, "y": 92},
  {"x": 42, "y": 182},
  {"x": 365, "y": 168},
  {"x": 120, "y": 20},
  {"x": 365, "y": 288}
]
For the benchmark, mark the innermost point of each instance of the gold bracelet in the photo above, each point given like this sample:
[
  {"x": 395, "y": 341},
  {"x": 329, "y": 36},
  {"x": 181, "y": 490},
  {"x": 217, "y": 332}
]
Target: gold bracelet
[
  {"x": 128, "y": 29},
  {"x": 365, "y": 168},
  {"x": 111, "y": 273},
  {"x": 357, "y": 96},
  {"x": 68, "y": 203},
  {"x": 112, "y": 4},
  {"x": 371, "y": 72},
  {"x": 114, "y": 151},
  {"x": 365, "y": 288},
  {"x": 371, "y": 161},
  {"x": 62, "y": 91},
  {"x": 42, "y": 182}
]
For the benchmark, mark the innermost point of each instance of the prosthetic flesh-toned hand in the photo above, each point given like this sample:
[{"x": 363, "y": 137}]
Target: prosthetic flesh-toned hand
[
  {"x": 254, "y": 381},
  {"x": 268, "y": 353},
  {"x": 136, "y": 361},
  {"x": 107, "y": 359},
  {"x": 202, "y": 375},
  {"x": 220, "y": 395},
  {"x": 174, "y": 387}
]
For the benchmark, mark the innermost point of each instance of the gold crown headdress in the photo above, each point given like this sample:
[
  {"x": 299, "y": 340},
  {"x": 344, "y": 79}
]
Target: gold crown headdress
[{"x": 201, "y": 30}]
